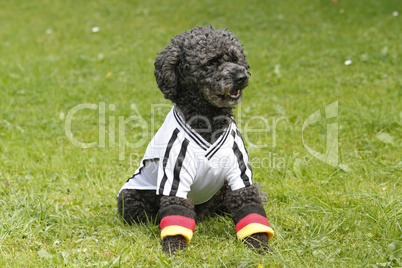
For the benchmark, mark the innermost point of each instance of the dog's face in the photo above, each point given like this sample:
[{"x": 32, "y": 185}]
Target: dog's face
[
  {"x": 209, "y": 62},
  {"x": 224, "y": 77}
]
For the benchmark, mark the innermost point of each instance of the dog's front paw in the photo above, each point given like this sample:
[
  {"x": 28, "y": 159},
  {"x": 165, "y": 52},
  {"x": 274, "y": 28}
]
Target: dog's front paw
[
  {"x": 258, "y": 241},
  {"x": 172, "y": 244}
]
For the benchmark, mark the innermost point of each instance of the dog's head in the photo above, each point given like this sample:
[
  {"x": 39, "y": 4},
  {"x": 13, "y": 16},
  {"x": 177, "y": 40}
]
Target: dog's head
[{"x": 209, "y": 62}]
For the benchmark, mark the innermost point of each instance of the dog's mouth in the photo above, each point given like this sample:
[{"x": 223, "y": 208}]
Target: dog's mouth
[
  {"x": 225, "y": 97},
  {"x": 234, "y": 94}
]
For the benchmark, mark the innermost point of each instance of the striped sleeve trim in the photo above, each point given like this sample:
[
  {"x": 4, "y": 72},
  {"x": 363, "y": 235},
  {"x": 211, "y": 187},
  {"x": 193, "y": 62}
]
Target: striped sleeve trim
[
  {"x": 177, "y": 225},
  {"x": 178, "y": 220},
  {"x": 177, "y": 230},
  {"x": 254, "y": 228},
  {"x": 252, "y": 219}
]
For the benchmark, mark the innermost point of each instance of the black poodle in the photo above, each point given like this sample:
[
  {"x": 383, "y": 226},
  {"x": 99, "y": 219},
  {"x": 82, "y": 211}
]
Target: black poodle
[{"x": 196, "y": 165}]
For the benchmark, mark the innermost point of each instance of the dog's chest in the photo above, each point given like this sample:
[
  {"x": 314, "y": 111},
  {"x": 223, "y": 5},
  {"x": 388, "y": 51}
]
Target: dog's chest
[{"x": 209, "y": 178}]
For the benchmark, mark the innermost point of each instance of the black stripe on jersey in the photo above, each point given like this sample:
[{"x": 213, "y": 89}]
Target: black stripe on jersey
[
  {"x": 233, "y": 133},
  {"x": 238, "y": 133},
  {"x": 219, "y": 145},
  {"x": 244, "y": 146},
  {"x": 249, "y": 167},
  {"x": 144, "y": 163},
  {"x": 242, "y": 165},
  {"x": 177, "y": 167},
  {"x": 166, "y": 158},
  {"x": 241, "y": 137},
  {"x": 196, "y": 139}
]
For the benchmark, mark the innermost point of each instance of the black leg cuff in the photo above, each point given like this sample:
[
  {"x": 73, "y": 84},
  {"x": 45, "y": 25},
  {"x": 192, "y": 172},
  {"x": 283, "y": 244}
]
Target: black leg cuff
[{"x": 248, "y": 209}]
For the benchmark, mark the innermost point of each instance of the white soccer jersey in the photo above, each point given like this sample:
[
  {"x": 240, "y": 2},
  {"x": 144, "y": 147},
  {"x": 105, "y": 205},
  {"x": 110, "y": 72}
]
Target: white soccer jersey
[{"x": 179, "y": 162}]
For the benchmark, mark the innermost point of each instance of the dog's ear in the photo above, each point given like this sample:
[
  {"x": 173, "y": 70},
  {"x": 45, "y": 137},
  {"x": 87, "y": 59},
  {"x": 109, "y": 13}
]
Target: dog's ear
[{"x": 166, "y": 71}]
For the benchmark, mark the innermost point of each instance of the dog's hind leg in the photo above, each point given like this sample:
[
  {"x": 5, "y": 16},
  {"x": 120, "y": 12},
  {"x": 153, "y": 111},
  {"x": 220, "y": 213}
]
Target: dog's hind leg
[{"x": 138, "y": 205}]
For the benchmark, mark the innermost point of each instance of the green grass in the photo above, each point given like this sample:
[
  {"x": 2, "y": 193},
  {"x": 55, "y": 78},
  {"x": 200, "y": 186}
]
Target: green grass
[{"x": 57, "y": 200}]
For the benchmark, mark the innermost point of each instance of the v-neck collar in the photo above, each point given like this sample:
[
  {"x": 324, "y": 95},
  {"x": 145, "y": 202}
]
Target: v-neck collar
[{"x": 210, "y": 149}]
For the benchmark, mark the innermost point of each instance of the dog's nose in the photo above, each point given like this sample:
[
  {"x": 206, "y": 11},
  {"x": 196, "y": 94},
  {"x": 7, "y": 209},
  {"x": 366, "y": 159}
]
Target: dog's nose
[{"x": 240, "y": 78}]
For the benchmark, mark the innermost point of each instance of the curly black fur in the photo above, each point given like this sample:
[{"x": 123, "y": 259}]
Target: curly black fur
[
  {"x": 258, "y": 241},
  {"x": 238, "y": 199},
  {"x": 172, "y": 244},
  {"x": 198, "y": 71},
  {"x": 138, "y": 205},
  {"x": 167, "y": 201},
  {"x": 204, "y": 72}
]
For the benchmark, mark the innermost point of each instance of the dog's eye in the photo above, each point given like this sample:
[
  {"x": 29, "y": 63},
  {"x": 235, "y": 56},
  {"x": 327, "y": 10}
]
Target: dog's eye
[{"x": 235, "y": 59}]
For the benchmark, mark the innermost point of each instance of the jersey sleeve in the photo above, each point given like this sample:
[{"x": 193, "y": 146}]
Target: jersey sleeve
[
  {"x": 177, "y": 220},
  {"x": 240, "y": 174},
  {"x": 252, "y": 219}
]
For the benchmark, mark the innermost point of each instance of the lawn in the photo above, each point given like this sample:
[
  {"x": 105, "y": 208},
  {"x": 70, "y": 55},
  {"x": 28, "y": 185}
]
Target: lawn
[{"x": 87, "y": 66}]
